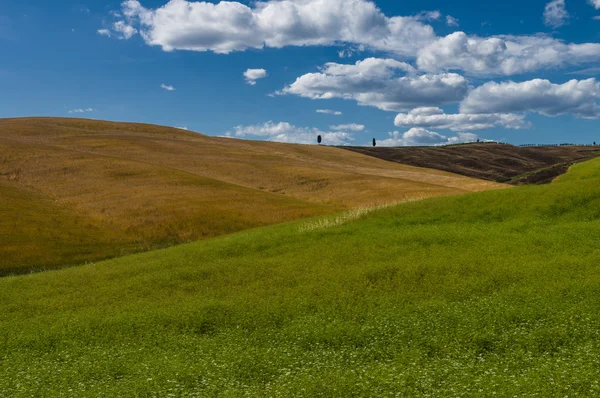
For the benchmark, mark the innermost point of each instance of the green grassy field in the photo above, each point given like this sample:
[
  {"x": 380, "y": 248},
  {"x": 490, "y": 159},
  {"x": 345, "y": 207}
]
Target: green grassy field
[{"x": 486, "y": 294}]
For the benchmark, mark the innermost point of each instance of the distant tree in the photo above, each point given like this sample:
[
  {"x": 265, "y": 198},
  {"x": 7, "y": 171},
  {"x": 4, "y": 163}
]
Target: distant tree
[
  {"x": 319, "y": 139},
  {"x": 374, "y": 142},
  {"x": 478, "y": 140}
]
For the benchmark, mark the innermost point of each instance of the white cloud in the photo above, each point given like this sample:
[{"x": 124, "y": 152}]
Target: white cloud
[
  {"x": 596, "y": 5},
  {"x": 346, "y": 53},
  {"x": 502, "y": 55},
  {"x": 586, "y": 72},
  {"x": 124, "y": 30},
  {"x": 232, "y": 26},
  {"x": 577, "y": 97},
  {"x": 229, "y": 26},
  {"x": 436, "y": 118},
  {"x": 104, "y": 32},
  {"x": 285, "y": 132},
  {"x": 348, "y": 127},
  {"x": 252, "y": 75},
  {"x": 451, "y": 21},
  {"x": 329, "y": 112},
  {"x": 462, "y": 138},
  {"x": 80, "y": 110},
  {"x": 423, "y": 137},
  {"x": 167, "y": 87},
  {"x": 181, "y": 128},
  {"x": 555, "y": 14},
  {"x": 383, "y": 83},
  {"x": 428, "y": 16}
]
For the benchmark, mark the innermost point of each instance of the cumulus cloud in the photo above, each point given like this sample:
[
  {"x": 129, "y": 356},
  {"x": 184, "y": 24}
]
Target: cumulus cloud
[
  {"x": 596, "y": 5},
  {"x": 232, "y": 26},
  {"x": 428, "y": 16},
  {"x": 80, "y": 110},
  {"x": 167, "y": 87},
  {"x": 436, "y": 118},
  {"x": 120, "y": 30},
  {"x": 349, "y": 52},
  {"x": 288, "y": 133},
  {"x": 423, "y": 137},
  {"x": 348, "y": 127},
  {"x": 229, "y": 26},
  {"x": 329, "y": 112},
  {"x": 451, "y": 21},
  {"x": 502, "y": 55},
  {"x": 252, "y": 75},
  {"x": 577, "y": 97},
  {"x": 382, "y": 83},
  {"x": 555, "y": 13},
  {"x": 123, "y": 30}
]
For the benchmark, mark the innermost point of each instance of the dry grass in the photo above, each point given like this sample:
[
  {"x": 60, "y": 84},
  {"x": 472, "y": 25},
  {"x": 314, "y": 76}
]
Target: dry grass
[
  {"x": 133, "y": 187},
  {"x": 354, "y": 214}
]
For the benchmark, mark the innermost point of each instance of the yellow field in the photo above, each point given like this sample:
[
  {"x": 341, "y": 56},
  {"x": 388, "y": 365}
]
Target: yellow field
[{"x": 74, "y": 190}]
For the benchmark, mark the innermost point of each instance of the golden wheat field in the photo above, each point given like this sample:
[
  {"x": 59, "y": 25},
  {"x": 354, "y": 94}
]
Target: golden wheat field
[{"x": 75, "y": 190}]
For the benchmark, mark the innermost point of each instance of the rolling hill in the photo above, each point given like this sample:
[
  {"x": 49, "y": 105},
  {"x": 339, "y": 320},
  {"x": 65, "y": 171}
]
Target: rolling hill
[
  {"x": 495, "y": 162},
  {"x": 486, "y": 294},
  {"x": 75, "y": 190}
]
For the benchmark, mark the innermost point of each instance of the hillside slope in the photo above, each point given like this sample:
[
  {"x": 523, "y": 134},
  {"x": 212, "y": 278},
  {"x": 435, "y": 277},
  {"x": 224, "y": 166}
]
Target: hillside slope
[
  {"x": 100, "y": 189},
  {"x": 495, "y": 162},
  {"x": 487, "y": 294}
]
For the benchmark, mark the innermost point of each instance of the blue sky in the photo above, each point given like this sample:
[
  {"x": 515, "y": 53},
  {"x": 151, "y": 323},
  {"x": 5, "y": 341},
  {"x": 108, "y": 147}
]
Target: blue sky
[{"x": 406, "y": 73}]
